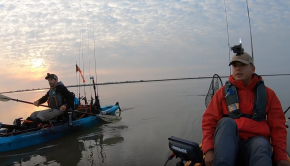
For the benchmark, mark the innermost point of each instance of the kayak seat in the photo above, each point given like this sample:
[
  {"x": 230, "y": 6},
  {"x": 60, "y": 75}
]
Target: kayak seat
[{"x": 61, "y": 119}]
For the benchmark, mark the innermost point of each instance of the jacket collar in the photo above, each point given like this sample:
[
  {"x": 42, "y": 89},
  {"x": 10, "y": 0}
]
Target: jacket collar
[
  {"x": 57, "y": 84},
  {"x": 240, "y": 85}
]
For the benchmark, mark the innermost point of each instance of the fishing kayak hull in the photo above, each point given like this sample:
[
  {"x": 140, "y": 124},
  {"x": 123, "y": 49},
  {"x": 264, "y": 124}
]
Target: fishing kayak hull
[{"x": 27, "y": 139}]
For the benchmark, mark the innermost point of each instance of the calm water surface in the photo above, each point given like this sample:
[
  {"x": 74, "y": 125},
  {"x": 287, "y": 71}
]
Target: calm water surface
[{"x": 152, "y": 112}]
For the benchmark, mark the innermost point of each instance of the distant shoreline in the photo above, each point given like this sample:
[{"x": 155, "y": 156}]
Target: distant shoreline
[{"x": 126, "y": 82}]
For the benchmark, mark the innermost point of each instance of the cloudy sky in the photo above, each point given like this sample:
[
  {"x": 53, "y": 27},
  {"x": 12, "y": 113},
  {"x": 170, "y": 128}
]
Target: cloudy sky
[{"x": 136, "y": 39}]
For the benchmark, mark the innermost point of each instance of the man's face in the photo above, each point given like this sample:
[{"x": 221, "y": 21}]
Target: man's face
[
  {"x": 242, "y": 71},
  {"x": 51, "y": 82}
]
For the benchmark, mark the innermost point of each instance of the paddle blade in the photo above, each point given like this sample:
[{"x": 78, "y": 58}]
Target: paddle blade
[
  {"x": 215, "y": 84},
  {"x": 4, "y": 98}
]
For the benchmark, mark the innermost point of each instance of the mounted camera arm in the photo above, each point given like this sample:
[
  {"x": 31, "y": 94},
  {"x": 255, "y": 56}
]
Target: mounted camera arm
[{"x": 238, "y": 49}]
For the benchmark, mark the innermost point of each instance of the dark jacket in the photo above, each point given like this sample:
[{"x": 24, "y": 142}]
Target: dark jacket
[{"x": 68, "y": 98}]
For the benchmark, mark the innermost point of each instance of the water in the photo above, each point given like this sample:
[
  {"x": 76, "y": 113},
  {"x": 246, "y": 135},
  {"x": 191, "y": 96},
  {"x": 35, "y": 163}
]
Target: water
[{"x": 152, "y": 112}]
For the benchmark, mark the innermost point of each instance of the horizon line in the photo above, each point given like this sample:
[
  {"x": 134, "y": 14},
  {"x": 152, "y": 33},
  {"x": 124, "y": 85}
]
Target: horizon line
[{"x": 126, "y": 82}]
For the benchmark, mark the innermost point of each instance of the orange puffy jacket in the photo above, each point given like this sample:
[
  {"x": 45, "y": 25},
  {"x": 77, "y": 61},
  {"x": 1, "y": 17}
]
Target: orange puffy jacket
[{"x": 273, "y": 128}]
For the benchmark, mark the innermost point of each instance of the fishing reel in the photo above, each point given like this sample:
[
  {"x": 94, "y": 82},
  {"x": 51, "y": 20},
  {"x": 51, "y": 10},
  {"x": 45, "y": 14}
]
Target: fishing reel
[
  {"x": 185, "y": 150},
  {"x": 238, "y": 49}
]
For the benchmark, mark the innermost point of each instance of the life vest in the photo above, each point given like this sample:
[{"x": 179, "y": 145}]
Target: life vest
[
  {"x": 54, "y": 99},
  {"x": 259, "y": 108}
]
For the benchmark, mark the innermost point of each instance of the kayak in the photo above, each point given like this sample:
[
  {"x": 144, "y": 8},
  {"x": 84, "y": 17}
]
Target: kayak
[
  {"x": 20, "y": 139},
  {"x": 188, "y": 151}
]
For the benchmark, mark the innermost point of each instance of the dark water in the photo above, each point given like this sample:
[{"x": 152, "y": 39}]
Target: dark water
[{"x": 152, "y": 112}]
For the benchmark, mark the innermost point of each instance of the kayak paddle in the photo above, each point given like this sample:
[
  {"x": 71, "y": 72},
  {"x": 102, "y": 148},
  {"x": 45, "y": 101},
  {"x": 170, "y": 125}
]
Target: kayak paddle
[{"x": 5, "y": 98}]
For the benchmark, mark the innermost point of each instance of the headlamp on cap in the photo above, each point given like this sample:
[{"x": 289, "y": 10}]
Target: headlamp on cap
[
  {"x": 53, "y": 76},
  {"x": 238, "y": 49}
]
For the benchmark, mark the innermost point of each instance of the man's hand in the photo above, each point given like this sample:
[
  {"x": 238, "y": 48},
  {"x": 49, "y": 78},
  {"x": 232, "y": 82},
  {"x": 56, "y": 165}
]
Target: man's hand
[
  {"x": 208, "y": 157},
  {"x": 36, "y": 103},
  {"x": 62, "y": 108},
  {"x": 283, "y": 163}
]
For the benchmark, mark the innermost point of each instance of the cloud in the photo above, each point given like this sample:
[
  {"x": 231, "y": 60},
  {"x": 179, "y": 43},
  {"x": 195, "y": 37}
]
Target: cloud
[{"x": 144, "y": 38}]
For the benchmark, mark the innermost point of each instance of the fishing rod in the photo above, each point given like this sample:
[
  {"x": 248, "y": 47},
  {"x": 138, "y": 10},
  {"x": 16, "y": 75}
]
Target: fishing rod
[
  {"x": 77, "y": 82},
  {"x": 79, "y": 89},
  {"x": 81, "y": 52},
  {"x": 229, "y": 47},
  {"x": 86, "y": 102},
  {"x": 97, "y": 101},
  {"x": 89, "y": 64},
  {"x": 95, "y": 56},
  {"x": 250, "y": 29},
  {"x": 142, "y": 81}
]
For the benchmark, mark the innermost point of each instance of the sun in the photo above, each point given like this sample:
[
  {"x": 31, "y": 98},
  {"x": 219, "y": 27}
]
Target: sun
[
  {"x": 37, "y": 62},
  {"x": 36, "y": 67}
]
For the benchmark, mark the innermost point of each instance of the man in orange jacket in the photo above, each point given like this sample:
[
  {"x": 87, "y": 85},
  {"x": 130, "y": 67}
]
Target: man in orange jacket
[{"x": 243, "y": 117}]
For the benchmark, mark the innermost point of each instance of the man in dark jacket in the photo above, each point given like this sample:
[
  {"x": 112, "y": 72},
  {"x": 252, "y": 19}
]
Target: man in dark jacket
[{"x": 59, "y": 99}]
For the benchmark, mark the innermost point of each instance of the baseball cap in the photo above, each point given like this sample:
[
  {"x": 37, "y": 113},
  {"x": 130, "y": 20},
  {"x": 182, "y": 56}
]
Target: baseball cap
[
  {"x": 244, "y": 58},
  {"x": 53, "y": 76}
]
